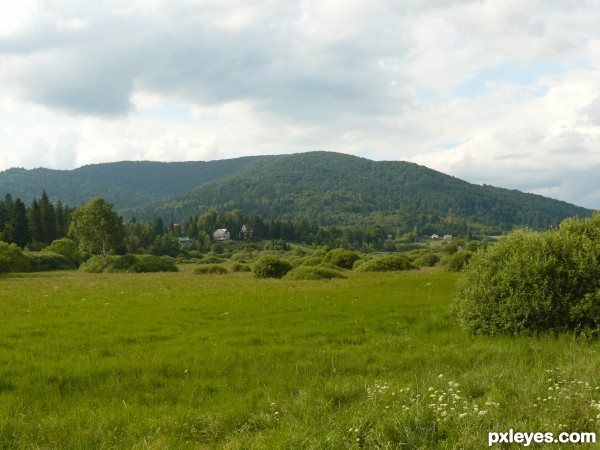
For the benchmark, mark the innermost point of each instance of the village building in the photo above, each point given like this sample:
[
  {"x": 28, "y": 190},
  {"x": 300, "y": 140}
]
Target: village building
[{"x": 221, "y": 235}]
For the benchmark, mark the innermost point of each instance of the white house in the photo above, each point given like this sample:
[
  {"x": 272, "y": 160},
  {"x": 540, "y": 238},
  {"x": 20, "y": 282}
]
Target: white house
[{"x": 221, "y": 235}]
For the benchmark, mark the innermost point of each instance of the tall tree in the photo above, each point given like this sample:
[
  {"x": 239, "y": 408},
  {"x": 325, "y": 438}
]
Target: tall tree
[
  {"x": 96, "y": 227},
  {"x": 48, "y": 216},
  {"x": 17, "y": 229},
  {"x": 34, "y": 220}
]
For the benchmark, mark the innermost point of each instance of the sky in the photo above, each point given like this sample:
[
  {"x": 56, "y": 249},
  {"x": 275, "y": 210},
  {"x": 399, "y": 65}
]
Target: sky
[{"x": 499, "y": 92}]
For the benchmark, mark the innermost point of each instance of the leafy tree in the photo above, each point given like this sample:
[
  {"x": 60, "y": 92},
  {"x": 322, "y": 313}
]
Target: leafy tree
[{"x": 96, "y": 227}]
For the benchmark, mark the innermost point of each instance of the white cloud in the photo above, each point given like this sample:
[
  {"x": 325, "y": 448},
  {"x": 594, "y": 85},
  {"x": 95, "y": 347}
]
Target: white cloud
[{"x": 494, "y": 91}]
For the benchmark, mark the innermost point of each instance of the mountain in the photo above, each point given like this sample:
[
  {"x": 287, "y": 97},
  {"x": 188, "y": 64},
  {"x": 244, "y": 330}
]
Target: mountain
[
  {"x": 127, "y": 184},
  {"x": 322, "y": 188}
]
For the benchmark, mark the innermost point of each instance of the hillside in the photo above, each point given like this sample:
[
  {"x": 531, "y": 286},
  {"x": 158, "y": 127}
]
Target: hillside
[
  {"x": 127, "y": 184},
  {"x": 337, "y": 189},
  {"x": 317, "y": 187}
]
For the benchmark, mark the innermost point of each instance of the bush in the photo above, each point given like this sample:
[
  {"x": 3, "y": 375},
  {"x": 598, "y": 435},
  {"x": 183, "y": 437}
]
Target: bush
[
  {"x": 129, "y": 264},
  {"x": 313, "y": 273},
  {"x": 531, "y": 283},
  {"x": 269, "y": 266},
  {"x": 67, "y": 248},
  {"x": 44, "y": 261},
  {"x": 386, "y": 263},
  {"x": 12, "y": 259},
  {"x": 210, "y": 269},
  {"x": 342, "y": 258},
  {"x": 427, "y": 260},
  {"x": 151, "y": 263},
  {"x": 458, "y": 261},
  {"x": 312, "y": 261},
  {"x": 239, "y": 267}
]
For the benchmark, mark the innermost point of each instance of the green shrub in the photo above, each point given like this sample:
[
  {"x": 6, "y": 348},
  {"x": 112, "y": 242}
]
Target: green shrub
[
  {"x": 45, "y": 260},
  {"x": 152, "y": 263},
  {"x": 312, "y": 261},
  {"x": 313, "y": 273},
  {"x": 12, "y": 259},
  {"x": 386, "y": 263},
  {"x": 212, "y": 259},
  {"x": 67, "y": 248},
  {"x": 210, "y": 269},
  {"x": 269, "y": 266},
  {"x": 531, "y": 283},
  {"x": 239, "y": 267},
  {"x": 458, "y": 261},
  {"x": 428, "y": 259},
  {"x": 129, "y": 264},
  {"x": 342, "y": 258}
]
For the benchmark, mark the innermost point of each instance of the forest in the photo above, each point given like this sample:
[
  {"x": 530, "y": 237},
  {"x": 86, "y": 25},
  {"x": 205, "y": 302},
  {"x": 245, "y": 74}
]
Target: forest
[{"x": 331, "y": 192}]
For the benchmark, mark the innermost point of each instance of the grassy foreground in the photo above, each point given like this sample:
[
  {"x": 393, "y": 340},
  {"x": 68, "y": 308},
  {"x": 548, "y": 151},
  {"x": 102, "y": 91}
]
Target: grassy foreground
[{"x": 179, "y": 360}]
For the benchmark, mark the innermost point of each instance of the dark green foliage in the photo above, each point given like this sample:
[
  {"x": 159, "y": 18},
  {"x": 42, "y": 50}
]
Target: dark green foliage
[
  {"x": 385, "y": 263},
  {"x": 240, "y": 267},
  {"x": 312, "y": 261},
  {"x": 210, "y": 269},
  {"x": 45, "y": 260},
  {"x": 67, "y": 248},
  {"x": 129, "y": 264},
  {"x": 532, "y": 282},
  {"x": 269, "y": 266},
  {"x": 12, "y": 259},
  {"x": 458, "y": 261},
  {"x": 342, "y": 258},
  {"x": 313, "y": 273},
  {"x": 427, "y": 259},
  {"x": 318, "y": 188}
]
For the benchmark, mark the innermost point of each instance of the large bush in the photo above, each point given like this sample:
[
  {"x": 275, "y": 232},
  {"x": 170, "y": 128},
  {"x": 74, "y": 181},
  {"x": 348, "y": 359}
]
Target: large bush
[
  {"x": 532, "y": 283},
  {"x": 44, "y": 261},
  {"x": 12, "y": 259},
  {"x": 458, "y": 261},
  {"x": 129, "y": 264},
  {"x": 386, "y": 263},
  {"x": 67, "y": 248},
  {"x": 313, "y": 273},
  {"x": 269, "y": 266},
  {"x": 341, "y": 257}
]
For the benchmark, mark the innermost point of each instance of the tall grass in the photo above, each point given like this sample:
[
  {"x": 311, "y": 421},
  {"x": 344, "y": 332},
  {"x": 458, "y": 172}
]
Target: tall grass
[{"x": 173, "y": 360}]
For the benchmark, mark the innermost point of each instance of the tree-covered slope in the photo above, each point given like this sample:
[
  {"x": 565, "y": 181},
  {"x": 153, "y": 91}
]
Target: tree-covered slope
[
  {"x": 127, "y": 184},
  {"x": 338, "y": 189},
  {"x": 317, "y": 187}
]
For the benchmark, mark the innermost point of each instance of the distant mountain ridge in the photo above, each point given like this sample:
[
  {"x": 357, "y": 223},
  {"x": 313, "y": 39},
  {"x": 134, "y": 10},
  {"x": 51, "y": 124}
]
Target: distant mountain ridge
[{"x": 323, "y": 188}]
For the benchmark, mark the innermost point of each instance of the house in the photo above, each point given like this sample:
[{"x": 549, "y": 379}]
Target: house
[
  {"x": 184, "y": 240},
  {"x": 434, "y": 236},
  {"x": 221, "y": 235},
  {"x": 447, "y": 237},
  {"x": 246, "y": 232}
]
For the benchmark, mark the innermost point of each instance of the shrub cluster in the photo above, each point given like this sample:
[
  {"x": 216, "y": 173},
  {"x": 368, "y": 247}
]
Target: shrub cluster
[
  {"x": 210, "y": 269},
  {"x": 129, "y": 264},
  {"x": 531, "y": 283},
  {"x": 270, "y": 266},
  {"x": 45, "y": 260},
  {"x": 313, "y": 273},
  {"x": 385, "y": 263},
  {"x": 341, "y": 258}
]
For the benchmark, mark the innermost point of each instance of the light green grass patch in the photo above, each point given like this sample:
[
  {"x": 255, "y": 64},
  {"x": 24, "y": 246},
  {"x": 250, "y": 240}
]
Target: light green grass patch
[{"x": 181, "y": 361}]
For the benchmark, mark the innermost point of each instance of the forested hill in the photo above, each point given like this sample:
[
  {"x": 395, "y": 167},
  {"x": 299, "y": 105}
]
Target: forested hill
[
  {"x": 320, "y": 188},
  {"x": 127, "y": 184},
  {"x": 337, "y": 189}
]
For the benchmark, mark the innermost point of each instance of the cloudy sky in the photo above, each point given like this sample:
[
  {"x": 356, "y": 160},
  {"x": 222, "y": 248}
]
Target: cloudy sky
[{"x": 502, "y": 92}]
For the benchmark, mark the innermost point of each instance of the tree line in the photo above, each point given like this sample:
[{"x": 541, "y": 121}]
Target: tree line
[
  {"x": 37, "y": 225},
  {"x": 34, "y": 226}
]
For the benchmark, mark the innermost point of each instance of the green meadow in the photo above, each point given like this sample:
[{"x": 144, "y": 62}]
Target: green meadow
[{"x": 184, "y": 360}]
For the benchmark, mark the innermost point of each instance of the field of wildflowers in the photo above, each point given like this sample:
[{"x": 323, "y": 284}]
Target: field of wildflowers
[{"x": 178, "y": 360}]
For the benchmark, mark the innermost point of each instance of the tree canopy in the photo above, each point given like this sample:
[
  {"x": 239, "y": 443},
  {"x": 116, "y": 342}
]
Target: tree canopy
[{"x": 96, "y": 227}]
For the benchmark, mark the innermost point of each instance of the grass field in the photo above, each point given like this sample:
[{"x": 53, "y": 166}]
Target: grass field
[{"x": 179, "y": 360}]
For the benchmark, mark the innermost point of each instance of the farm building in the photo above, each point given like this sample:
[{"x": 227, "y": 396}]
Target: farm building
[{"x": 221, "y": 235}]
